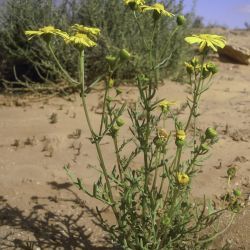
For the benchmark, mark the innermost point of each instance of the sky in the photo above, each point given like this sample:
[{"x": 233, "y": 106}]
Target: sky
[{"x": 229, "y": 13}]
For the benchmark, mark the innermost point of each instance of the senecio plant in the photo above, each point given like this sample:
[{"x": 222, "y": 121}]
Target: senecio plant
[{"x": 151, "y": 203}]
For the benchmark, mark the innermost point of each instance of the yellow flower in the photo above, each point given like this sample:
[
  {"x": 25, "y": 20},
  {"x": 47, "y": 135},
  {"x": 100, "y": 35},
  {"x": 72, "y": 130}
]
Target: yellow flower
[
  {"x": 158, "y": 8},
  {"x": 180, "y": 135},
  {"x": 81, "y": 40},
  {"x": 45, "y": 32},
  {"x": 86, "y": 30},
  {"x": 207, "y": 41},
  {"x": 165, "y": 104},
  {"x": 182, "y": 178}
]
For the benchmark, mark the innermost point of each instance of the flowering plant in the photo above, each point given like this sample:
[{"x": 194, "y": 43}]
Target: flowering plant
[{"x": 151, "y": 203}]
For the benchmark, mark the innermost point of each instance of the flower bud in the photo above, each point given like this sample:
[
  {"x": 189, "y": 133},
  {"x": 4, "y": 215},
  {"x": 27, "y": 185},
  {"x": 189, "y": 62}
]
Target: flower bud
[
  {"x": 115, "y": 129},
  {"x": 158, "y": 142},
  {"x": 180, "y": 20},
  {"x": 118, "y": 91},
  {"x": 211, "y": 133},
  {"x": 231, "y": 172},
  {"x": 111, "y": 83},
  {"x": 189, "y": 68},
  {"x": 205, "y": 72},
  {"x": 120, "y": 122},
  {"x": 180, "y": 135},
  {"x": 111, "y": 60},
  {"x": 204, "y": 147},
  {"x": 211, "y": 68},
  {"x": 124, "y": 54},
  {"x": 237, "y": 192},
  {"x": 180, "y": 138},
  {"x": 195, "y": 62},
  {"x": 183, "y": 178}
]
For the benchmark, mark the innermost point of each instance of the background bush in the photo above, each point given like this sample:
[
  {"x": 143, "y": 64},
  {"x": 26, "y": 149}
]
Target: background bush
[{"x": 25, "y": 61}]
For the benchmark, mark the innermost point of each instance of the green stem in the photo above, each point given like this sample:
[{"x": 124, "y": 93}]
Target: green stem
[
  {"x": 156, "y": 171},
  {"x": 104, "y": 108},
  {"x": 169, "y": 40},
  {"x": 96, "y": 141},
  {"x": 61, "y": 67},
  {"x": 140, "y": 29},
  {"x": 118, "y": 158},
  {"x": 195, "y": 96}
]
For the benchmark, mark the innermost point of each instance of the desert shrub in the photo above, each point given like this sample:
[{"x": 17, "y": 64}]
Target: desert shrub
[
  {"x": 151, "y": 203},
  {"x": 22, "y": 62}
]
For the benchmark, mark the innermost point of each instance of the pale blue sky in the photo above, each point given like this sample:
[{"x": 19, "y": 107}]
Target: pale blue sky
[{"x": 230, "y": 13}]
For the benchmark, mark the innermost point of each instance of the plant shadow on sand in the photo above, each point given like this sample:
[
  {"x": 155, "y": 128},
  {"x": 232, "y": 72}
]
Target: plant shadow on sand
[{"x": 48, "y": 230}]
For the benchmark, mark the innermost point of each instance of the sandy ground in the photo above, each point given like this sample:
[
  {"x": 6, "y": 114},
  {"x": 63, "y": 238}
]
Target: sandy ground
[{"x": 39, "y": 207}]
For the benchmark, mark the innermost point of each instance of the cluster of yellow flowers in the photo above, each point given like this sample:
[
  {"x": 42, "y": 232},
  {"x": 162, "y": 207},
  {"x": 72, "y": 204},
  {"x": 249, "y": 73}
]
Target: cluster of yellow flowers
[
  {"x": 157, "y": 8},
  {"x": 81, "y": 37},
  {"x": 204, "y": 40}
]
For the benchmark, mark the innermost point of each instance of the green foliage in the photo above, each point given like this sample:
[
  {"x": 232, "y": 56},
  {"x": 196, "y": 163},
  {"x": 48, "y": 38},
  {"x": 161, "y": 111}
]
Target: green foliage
[
  {"x": 25, "y": 62},
  {"x": 19, "y": 56},
  {"x": 151, "y": 202}
]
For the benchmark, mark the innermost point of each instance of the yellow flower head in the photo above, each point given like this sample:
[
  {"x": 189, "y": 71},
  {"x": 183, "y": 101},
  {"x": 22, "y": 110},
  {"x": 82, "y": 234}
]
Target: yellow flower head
[
  {"x": 86, "y": 30},
  {"x": 180, "y": 135},
  {"x": 45, "y": 32},
  {"x": 182, "y": 178},
  {"x": 162, "y": 133},
  {"x": 81, "y": 40},
  {"x": 207, "y": 41},
  {"x": 166, "y": 104},
  {"x": 158, "y": 9}
]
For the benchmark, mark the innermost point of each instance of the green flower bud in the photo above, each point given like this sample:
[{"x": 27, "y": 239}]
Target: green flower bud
[
  {"x": 195, "y": 62},
  {"x": 111, "y": 60},
  {"x": 231, "y": 172},
  {"x": 115, "y": 128},
  {"x": 111, "y": 83},
  {"x": 205, "y": 72},
  {"x": 124, "y": 54},
  {"x": 189, "y": 68},
  {"x": 211, "y": 68},
  {"x": 204, "y": 147},
  {"x": 180, "y": 20},
  {"x": 158, "y": 141},
  {"x": 118, "y": 91},
  {"x": 120, "y": 122},
  {"x": 211, "y": 133},
  {"x": 237, "y": 192}
]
